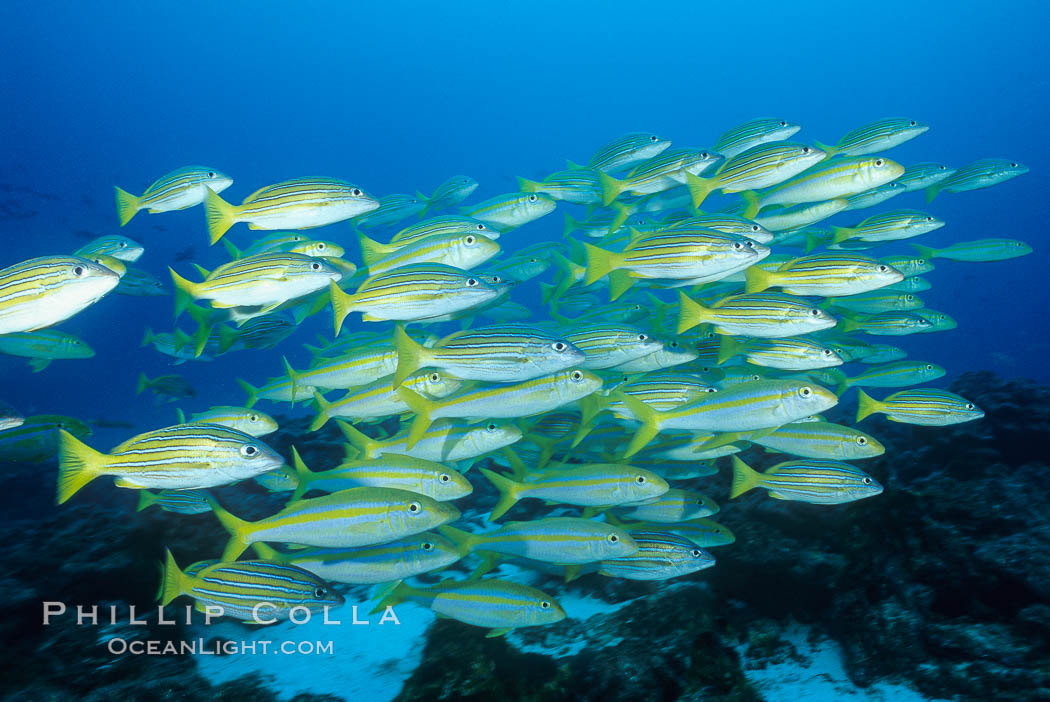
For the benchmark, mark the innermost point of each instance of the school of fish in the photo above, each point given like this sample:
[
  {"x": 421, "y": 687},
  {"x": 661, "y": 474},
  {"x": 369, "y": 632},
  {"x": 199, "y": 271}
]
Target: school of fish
[{"x": 669, "y": 337}]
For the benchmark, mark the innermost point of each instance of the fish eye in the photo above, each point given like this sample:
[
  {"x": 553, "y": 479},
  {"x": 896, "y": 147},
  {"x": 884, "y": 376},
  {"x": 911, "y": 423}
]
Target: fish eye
[
  {"x": 654, "y": 138},
  {"x": 696, "y": 553},
  {"x": 559, "y": 346},
  {"x": 427, "y": 546},
  {"x": 755, "y": 227},
  {"x": 711, "y": 390},
  {"x": 879, "y": 162},
  {"x": 532, "y": 198},
  {"x": 862, "y": 441},
  {"x": 320, "y": 592},
  {"x": 545, "y": 604},
  {"x": 472, "y": 282},
  {"x": 913, "y": 123},
  {"x": 826, "y": 352},
  {"x": 434, "y": 377},
  {"x": 414, "y": 507},
  {"x": 576, "y": 375},
  {"x": 704, "y": 154},
  {"x": 123, "y": 244},
  {"x": 737, "y": 246},
  {"x": 883, "y": 269},
  {"x": 783, "y": 123},
  {"x": 355, "y": 192},
  {"x": 480, "y": 227},
  {"x": 814, "y": 312},
  {"x": 321, "y": 246},
  {"x": 640, "y": 480},
  {"x": 78, "y": 271},
  {"x": 470, "y": 240},
  {"x": 674, "y": 344},
  {"x": 805, "y": 391},
  {"x": 497, "y": 279},
  {"x": 749, "y": 244},
  {"x": 929, "y": 366},
  {"x": 315, "y": 266},
  {"x": 491, "y": 427},
  {"x": 867, "y": 481},
  {"x": 909, "y": 298},
  {"x": 969, "y": 405},
  {"x": 444, "y": 477},
  {"x": 613, "y": 539},
  {"x": 211, "y": 174},
  {"x": 643, "y": 337},
  {"x": 929, "y": 219},
  {"x": 249, "y": 451},
  {"x": 253, "y": 418},
  {"x": 756, "y": 376},
  {"x": 920, "y": 261},
  {"x": 1013, "y": 165},
  {"x": 805, "y": 149}
]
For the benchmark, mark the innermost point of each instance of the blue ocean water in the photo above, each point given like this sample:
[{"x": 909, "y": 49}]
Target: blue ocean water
[{"x": 398, "y": 96}]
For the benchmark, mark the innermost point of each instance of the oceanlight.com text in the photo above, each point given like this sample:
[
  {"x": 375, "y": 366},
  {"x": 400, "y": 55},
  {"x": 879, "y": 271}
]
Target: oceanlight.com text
[{"x": 218, "y": 647}]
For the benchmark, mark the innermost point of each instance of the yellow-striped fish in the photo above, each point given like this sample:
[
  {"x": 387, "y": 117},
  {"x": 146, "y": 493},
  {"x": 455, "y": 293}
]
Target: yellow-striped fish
[
  {"x": 415, "y": 292},
  {"x": 40, "y": 292},
  {"x": 256, "y": 591},
  {"x": 302, "y": 203},
  {"x": 182, "y": 188},
  {"x": 813, "y": 481},
  {"x": 498, "y": 605},
  {"x": 360, "y": 516},
  {"x": 184, "y": 456}
]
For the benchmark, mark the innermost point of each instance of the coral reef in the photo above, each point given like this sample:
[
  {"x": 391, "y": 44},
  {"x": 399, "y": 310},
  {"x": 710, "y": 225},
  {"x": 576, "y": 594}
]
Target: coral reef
[{"x": 942, "y": 583}]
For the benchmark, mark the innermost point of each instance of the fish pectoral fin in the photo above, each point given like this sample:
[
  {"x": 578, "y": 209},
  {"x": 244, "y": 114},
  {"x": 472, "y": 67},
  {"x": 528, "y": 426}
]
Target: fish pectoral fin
[
  {"x": 371, "y": 318},
  {"x": 127, "y": 483},
  {"x": 221, "y": 305},
  {"x": 493, "y": 633},
  {"x": 777, "y": 495}
]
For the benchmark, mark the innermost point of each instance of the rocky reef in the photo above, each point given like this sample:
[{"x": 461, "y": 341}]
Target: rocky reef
[{"x": 941, "y": 583}]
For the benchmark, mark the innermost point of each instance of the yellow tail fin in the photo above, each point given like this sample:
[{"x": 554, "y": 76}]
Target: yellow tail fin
[
  {"x": 611, "y": 187},
  {"x": 127, "y": 205},
  {"x": 411, "y": 356},
  {"x": 463, "y": 540},
  {"x": 185, "y": 291},
  {"x": 362, "y": 442},
  {"x": 146, "y": 499},
  {"x": 751, "y": 203},
  {"x": 744, "y": 478},
  {"x": 240, "y": 531},
  {"x": 342, "y": 305},
  {"x": 528, "y": 186},
  {"x": 866, "y": 405},
  {"x": 323, "y": 406},
  {"x": 620, "y": 282},
  {"x": 829, "y": 151},
  {"x": 727, "y": 348},
  {"x": 600, "y": 263},
  {"x": 423, "y": 408},
  {"x": 508, "y": 493},
  {"x": 78, "y": 465},
  {"x": 650, "y": 423},
  {"x": 841, "y": 234},
  {"x": 175, "y": 582},
  {"x": 690, "y": 313},
  {"x": 757, "y": 279},
  {"x": 219, "y": 214},
  {"x": 372, "y": 251},
  {"x": 305, "y": 476},
  {"x": 700, "y": 188}
]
